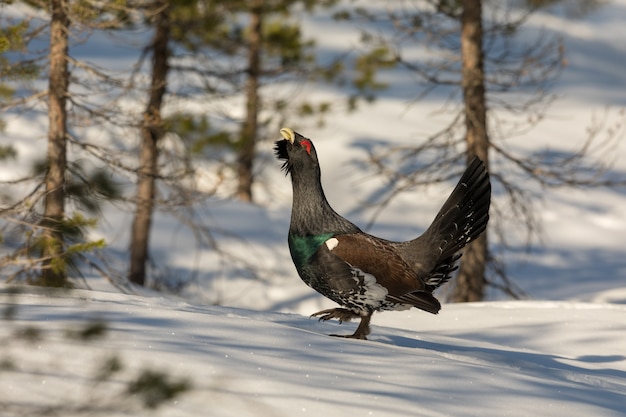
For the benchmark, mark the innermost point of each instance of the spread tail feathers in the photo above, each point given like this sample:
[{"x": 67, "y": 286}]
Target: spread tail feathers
[
  {"x": 464, "y": 215},
  {"x": 462, "y": 218}
]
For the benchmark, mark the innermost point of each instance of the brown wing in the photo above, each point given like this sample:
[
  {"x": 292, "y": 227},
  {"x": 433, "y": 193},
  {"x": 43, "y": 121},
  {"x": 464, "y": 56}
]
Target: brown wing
[{"x": 377, "y": 257}]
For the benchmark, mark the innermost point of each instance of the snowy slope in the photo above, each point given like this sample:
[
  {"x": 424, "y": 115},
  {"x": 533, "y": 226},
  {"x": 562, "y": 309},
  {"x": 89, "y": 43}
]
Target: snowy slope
[{"x": 488, "y": 359}]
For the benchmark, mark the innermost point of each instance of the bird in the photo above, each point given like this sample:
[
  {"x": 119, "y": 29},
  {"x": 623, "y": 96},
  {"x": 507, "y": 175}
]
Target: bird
[{"x": 364, "y": 273}]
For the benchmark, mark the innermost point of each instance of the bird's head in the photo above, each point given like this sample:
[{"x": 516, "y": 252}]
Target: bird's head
[{"x": 297, "y": 151}]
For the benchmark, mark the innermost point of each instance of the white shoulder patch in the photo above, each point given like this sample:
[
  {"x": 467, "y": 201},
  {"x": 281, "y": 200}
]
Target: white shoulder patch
[{"x": 331, "y": 243}]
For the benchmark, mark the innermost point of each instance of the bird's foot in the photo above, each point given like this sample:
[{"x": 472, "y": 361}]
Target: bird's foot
[
  {"x": 340, "y": 314},
  {"x": 350, "y": 336}
]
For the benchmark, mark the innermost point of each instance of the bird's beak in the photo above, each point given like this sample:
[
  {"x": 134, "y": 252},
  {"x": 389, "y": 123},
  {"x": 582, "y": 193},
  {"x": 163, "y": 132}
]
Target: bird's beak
[{"x": 288, "y": 134}]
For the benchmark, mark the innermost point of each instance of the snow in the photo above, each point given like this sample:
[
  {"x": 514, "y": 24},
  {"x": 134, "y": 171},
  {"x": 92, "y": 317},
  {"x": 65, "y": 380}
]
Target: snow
[
  {"x": 257, "y": 353},
  {"x": 488, "y": 359}
]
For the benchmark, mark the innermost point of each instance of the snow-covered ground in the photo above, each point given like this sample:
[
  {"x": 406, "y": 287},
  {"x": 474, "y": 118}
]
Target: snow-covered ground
[
  {"x": 560, "y": 353},
  {"x": 485, "y": 359}
]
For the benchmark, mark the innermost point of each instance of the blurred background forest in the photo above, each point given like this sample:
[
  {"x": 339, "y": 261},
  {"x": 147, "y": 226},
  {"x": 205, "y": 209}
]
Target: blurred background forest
[{"x": 168, "y": 109}]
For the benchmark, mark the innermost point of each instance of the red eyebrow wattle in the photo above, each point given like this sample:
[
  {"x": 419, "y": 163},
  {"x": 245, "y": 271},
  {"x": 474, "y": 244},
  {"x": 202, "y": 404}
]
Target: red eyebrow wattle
[{"x": 307, "y": 145}]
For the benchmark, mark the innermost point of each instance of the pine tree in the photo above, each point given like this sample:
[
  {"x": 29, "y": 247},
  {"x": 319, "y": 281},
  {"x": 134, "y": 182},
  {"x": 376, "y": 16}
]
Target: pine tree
[
  {"x": 253, "y": 46},
  {"x": 53, "y": 272},
  {"x": 475, "y": 56},
  {"x": 50, "y": 219},
  {"x": 151, "y": 134},
  {"x": 470, "y": 282}
]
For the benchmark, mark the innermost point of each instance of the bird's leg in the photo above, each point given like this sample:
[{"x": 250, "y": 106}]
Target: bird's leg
[
  {"x": 342, "y": 315},
  {"x": 362, "y": 331}
]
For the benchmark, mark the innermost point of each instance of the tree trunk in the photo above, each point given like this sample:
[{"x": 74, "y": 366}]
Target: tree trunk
[
  {"x": 246, "y": 152},
  {"x": 53, "y": 268},
  {"x": 151, "y": 133},
  {"x": 470, "y": 281}
]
